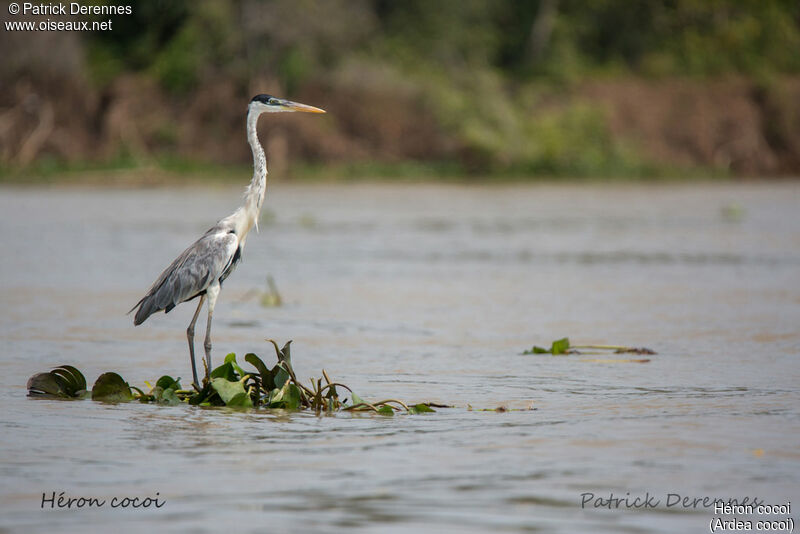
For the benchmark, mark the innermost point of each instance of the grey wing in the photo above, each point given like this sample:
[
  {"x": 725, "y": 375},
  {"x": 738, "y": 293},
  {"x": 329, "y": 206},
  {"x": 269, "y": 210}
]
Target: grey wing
[{"x": 190, "y": 274}]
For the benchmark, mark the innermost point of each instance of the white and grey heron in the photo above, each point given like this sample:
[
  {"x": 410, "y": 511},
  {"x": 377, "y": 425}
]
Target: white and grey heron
[{"x": 200, "y": 269}]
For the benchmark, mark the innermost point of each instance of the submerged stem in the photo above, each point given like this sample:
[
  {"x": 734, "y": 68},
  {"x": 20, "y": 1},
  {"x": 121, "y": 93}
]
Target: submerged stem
[
  {"x": 387, "y": 401},
  {"x": 356, "y": 407}
]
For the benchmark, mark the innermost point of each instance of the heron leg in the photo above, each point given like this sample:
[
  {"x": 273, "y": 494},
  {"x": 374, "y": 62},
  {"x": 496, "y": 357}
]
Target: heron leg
[
  {"x": 212, "y": 292},
  {"x": 190, "y": 337}
]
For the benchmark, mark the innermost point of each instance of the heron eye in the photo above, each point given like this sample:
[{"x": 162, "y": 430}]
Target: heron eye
[{"x": 274, "y": 101}]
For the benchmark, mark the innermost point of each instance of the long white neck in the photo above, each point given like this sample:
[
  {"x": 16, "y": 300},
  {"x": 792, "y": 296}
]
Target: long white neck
[{"x": 246, "y": 216}]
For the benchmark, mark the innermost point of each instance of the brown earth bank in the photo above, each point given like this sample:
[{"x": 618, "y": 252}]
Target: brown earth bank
[{"x": 738, "y": 125}]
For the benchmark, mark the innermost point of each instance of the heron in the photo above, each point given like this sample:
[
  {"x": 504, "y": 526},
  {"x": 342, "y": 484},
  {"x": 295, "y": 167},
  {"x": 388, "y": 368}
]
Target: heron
[{"x": 200, "y": 270}]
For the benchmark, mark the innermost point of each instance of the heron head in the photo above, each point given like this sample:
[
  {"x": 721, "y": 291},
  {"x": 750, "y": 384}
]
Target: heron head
[{"x": 271, "y": 104}]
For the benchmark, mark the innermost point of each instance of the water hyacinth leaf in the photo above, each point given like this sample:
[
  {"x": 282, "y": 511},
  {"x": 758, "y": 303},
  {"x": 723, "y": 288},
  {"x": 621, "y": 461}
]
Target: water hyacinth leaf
[
  {"x": 256, "y": 362},
  {"x": 283, "y": 370},
  {"x": 77, "y": 374},
  {"x": 385, "y": 410},
  {"x": 287, "y": 397},
  {"x": 66, "y": 380},
  {"x": 267, "y": 377},
  {"x": 161, "y": 396},
  {"x": 45, "y": 384},
  {"x": 281, "y": 376},
  {"x": 63, "y": 381},
  {"x": 154, "y": 395},
  {"x": 169, "y": 397},
  {"x": 110, "y": 387},
  {"x": 231, "y": 359},
  {"x": 292, "y": 397},
  {"x": 229, "y": 392},
  {"x": 75, "y": 378},
  {"x": 164, "y": 392},
  {"x": 421, "y": 408},
  {"x": 286, "y": 353},
  {"x": 356, "y": 399},
  {"x": 225, "y": 371},
  {"x": 240, "y": 400},
  {"x": 560, "y": 346},
  {"x": 167, "y": 382}
]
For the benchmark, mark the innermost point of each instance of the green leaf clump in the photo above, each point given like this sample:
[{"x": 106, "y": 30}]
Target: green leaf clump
[
  {"x": 164, "y": 392},
  {"x": 562, "y": 346},
  {"x": 227, "y": 385},
  {"x": 232, "y": 393},
  {"x": 557, "y": 347},
  {"x": 288, "y": 397},
  {"x": 110, "y": 387},
  {"x": 64, "y": 381}
]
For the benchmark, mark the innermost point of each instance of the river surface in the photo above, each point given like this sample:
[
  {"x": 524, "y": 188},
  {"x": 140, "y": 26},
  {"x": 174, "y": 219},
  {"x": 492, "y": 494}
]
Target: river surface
[{"x": 421, "y": 293}]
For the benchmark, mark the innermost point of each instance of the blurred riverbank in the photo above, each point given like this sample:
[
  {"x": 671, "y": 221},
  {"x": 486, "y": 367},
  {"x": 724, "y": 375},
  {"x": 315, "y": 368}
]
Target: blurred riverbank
[
  {"x": 634, "y": 129},
  {"x": 415, "y": 89}
]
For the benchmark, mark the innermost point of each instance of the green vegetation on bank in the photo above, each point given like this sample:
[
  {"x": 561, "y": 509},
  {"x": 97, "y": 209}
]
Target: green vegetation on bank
[
  {"x": 181, "y": 43},
  {"x": 158, "y": 173},
  {"x": 428, "y": 89}
]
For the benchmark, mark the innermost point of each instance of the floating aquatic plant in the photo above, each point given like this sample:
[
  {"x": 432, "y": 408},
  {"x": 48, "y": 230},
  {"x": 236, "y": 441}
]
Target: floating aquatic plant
[
  {"x": 268, "y": 298},
  {"x": 227, "y": 385},
  {"x": 563, "y": 347},
  {"x": 64, "y": 381},
  {"x": 271, "y": 298},
  {"x": 110, "y": 387},
  {"x": 559, "y": 346}
]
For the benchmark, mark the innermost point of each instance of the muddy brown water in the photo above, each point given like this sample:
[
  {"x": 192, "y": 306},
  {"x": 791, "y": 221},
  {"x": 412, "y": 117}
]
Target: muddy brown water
[{"x": 422, "y": 293}]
